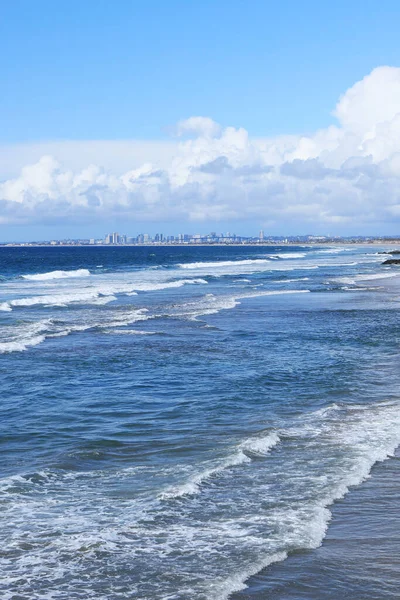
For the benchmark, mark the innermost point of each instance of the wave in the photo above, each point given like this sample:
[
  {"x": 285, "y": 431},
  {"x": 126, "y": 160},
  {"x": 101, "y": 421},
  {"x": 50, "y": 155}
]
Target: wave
[
  {"x": 21, "y": 345},
  {"x": 224, "y": 268},
  {"x": 224, "y": 263},
  {"x": 289, "y": 255},
  {"x": 243, "y": 453},
  {"x": 150, "y": 287},
  {"x": 365, "y": 277},
  {"x": 349, "y": 440},
  {"x": 58, "y": 299},
  {"x": 57, "y": 275},
  {"x": 291, "y": 280},
  {"x": 333, "y": 250},
  {"x": 210, "y": 304},
  {"x": 275, "y": 293},
  {"x": 223, "y": 589},
  {"x": 129, "y": 332},
  {"x": 248, "y": 515},
  {"x": 25, "y": 336},
  {"x": 242, "y": 263},
  {"x": 101, "y": 294}
]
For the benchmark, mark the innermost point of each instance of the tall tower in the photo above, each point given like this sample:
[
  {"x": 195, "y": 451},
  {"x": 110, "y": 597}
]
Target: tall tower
[{"x": 261, "y": 236}]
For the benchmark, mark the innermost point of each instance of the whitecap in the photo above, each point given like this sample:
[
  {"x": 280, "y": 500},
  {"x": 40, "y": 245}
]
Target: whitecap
[
  {"x": 289, "y": 255},
  {"x": 57, "y": 275},
  {"x": 224, "y": 263}
]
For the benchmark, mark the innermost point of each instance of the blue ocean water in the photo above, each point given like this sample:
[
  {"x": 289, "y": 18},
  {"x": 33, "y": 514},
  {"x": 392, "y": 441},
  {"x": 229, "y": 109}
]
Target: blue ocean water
[{"x": 177, "y": 423}]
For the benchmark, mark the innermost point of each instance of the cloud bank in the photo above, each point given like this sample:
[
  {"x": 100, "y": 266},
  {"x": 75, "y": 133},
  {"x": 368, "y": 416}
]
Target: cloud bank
[{"x": 344, "y": 175}]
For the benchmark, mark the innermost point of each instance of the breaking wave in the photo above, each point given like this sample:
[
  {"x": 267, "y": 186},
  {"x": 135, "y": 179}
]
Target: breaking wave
[
  {"x": 243, "y": 453},
  {"x": 57, "y": 275}
]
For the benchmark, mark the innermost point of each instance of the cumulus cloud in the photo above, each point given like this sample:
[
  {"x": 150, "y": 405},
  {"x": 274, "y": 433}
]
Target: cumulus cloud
[
  {"x": 371, "y": 101},
  {"x": 342, "y": 175},
  {"x": 199, "y": 126}
]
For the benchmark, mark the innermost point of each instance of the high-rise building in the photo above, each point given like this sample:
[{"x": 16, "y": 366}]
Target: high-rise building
[{"x": 261, "y": 236}]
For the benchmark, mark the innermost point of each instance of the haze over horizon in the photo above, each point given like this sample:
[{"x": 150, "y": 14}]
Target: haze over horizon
[{"x": 180, "y": 117}]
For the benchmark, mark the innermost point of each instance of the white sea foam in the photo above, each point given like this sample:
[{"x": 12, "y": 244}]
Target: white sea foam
[
  {"x": 261, "y": 445},
  {"x": 291, "y": 280},
  {"x": 289, "y": 255},
  {"x": 5, "y": 307},
  {"x": 253, "y": 514},
  {"x": 367, "y": 434},
  {"x": 128, "y": 332},
  {"x": 125, "y": 318},
  {"x": 102, "y": 293},
  {"x": 22, "y": 337},
  {"x": 27, "y": 335},
  {"x": 223, "y": 589},
  {"x": 225, "y": 263},
  {"x": 150, "y": 287},
  {"x": 242, "y": 454},
  {"x": 333, "y": 250},
  {"x": 365, "y": 277},
  {"x": 21, "y": 345},
  {"x": 57, "y": 299},
  {"x": 210, "y": 304},
  {"x": 100, "y": 300},
  {"x": 57, "y": 275},
  {"x": 244, "y": 267},
  {"x": 194, "y": 484},
  {"x": 275, "y": 293}
]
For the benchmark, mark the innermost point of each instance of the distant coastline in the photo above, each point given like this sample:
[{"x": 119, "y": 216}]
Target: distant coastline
[{"x": 266, "y": 243}]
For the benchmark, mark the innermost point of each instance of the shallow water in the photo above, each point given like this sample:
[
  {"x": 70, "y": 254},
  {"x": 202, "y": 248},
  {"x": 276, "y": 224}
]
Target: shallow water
[{"x": 174, "y": 420}]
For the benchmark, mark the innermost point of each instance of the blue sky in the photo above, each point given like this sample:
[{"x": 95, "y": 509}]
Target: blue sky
[{"x": 130, "y": 70}]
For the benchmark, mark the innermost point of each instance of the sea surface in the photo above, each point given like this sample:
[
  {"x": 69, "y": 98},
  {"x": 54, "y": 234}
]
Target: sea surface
[{"x": 182, "y": 423}]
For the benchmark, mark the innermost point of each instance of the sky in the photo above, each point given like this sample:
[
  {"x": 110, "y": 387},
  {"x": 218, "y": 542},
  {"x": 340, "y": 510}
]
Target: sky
[{"x": 188, "y": 116}]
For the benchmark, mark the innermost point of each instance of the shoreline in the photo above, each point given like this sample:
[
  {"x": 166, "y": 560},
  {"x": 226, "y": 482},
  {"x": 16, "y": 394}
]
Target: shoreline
[{"x": 356, "y": 558}]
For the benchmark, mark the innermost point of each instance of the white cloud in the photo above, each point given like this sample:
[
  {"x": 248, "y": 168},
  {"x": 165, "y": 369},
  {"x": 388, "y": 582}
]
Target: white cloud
[
  {"x": 203, "y": 126},
  {"x": 342, "y": 175},
  {"x": 371, "y": 101}
]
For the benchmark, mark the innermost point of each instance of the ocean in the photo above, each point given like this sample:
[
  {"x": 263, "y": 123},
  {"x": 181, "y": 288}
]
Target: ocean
[{"x": 199, "y": 423}]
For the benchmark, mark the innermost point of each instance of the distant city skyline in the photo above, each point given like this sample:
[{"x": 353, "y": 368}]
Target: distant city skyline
[{"x": 212, "y": 238}]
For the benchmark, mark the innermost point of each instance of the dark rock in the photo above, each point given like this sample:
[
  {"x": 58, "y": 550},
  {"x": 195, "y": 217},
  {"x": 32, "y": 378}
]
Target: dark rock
[{"x": 392, "y": 261}]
